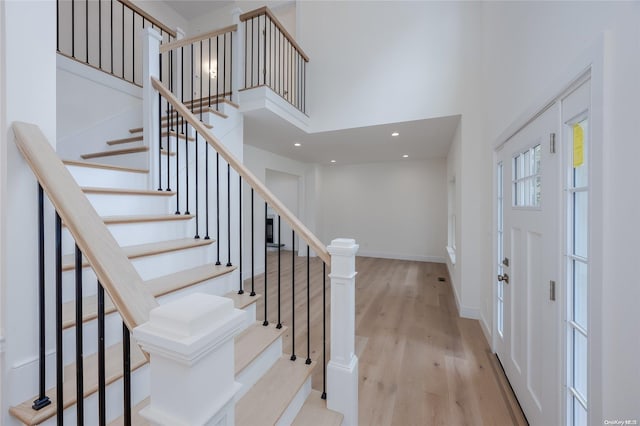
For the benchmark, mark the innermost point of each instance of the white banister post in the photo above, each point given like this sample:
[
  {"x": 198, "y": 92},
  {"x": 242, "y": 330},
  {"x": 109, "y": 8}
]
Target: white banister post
[
  {"x": 342, "y": 371},
  {"x": 150, "y": 68},
  {"x": 237, "y": 55},
  {"x": 191, "y": 346}
]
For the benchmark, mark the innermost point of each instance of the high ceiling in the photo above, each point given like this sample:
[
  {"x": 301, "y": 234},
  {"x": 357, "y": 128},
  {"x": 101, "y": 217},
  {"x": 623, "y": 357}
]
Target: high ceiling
[
  {"x": 190, "y": 9},
  {"x": 419, "y": 139}
]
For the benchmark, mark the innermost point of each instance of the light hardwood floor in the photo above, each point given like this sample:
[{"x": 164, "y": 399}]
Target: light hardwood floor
[{"x": 420, "y": 364}]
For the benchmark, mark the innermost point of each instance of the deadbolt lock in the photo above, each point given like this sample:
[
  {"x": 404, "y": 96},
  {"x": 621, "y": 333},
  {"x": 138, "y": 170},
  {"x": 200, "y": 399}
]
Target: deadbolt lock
[{"x": 504, "y": 277}]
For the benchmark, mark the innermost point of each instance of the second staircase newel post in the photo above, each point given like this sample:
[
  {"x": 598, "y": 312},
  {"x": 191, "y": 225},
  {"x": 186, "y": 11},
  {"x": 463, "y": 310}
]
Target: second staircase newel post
[{"x": 342, "y": 371}]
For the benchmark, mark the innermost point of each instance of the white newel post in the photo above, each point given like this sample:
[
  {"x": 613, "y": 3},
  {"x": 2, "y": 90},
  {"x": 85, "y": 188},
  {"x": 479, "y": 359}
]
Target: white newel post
[
  {"x": 150, "y": 68},
  {"x": 191, "y": 345},
  {"x": 342, "y": 371}
]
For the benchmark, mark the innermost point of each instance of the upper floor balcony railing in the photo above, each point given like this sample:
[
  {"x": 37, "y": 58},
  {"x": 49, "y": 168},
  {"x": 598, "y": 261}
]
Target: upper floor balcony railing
[{"x": 272, "y": 57}]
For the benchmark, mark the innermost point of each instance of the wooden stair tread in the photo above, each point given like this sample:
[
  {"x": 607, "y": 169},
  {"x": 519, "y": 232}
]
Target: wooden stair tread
[
  {"x": 188, "y": 277},
  {"x": 158, "y": 287},
  {"x": 241, "y": 301},
  {"x": 111, "y": 220},
  {"x": 125, "y": 140},
  {"x": 123, "y": 151},
  {"x": 136, "y": 130},
  {"x": 197, "y": 110},
  {"x": 113, "y": 371},
  {"x": 136, "y": 418},
  {"x": 267, "y": 400},
  {"x": 253, "y": 341},
  {"x": 148, "y": 249},
  {"x": 103, "y": 166},
  {"x": 177, "y": 135},
  {"x": 314, "y": 412},
  {"x": 126, "y": 191}
]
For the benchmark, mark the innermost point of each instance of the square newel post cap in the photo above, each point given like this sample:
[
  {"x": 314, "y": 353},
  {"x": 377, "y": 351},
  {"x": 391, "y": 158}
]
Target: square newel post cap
[
  {"x": 187, "y": 329},
  {"x": 151, "y": 32},
  {"x": 343, "y": 247}
]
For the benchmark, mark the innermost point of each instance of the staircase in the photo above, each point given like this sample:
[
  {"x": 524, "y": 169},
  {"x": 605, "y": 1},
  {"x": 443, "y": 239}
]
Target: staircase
[{"x": 172, "y": 263}]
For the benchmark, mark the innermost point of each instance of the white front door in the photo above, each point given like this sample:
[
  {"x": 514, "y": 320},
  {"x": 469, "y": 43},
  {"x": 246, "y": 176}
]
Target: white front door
[{"x": 528, "y": 315}]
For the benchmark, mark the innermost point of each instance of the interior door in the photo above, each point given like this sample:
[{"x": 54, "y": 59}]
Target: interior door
[{"x": 528, "y": 342}]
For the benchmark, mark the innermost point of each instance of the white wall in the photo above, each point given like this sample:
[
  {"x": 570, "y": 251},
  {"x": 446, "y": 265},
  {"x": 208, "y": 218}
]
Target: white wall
[
  {"x": 29, "y": 90},
  {"x": 528, "y": 47},
  {"x": 396, "y": 209},
  {"x": 93, "y": 107},
  {"x": 286, "y": 188},
  {"x": 263, "y": 163}
]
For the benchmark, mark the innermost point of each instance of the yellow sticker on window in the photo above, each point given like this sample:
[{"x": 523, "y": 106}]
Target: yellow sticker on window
[{"x": 578, "y": 145}]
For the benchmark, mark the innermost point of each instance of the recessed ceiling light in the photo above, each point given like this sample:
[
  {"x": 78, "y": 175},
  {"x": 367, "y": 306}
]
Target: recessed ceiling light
[
  {"x": 395, "y": 134},
  {"x": 333, "y": 161},
  {"x": 405, "y": 155},
  {"x": 297, "y": 144}
]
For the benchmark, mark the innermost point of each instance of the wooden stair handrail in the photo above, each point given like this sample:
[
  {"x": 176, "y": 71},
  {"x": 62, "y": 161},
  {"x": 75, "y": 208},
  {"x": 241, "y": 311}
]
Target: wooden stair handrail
[
  {"x": 114, "y": 270},
  {"x": 264, "y": 10},
  {"x": 148, "y": 17},
  {"x": 246, "y": 174},
  {"x": 187, "y": 41}
]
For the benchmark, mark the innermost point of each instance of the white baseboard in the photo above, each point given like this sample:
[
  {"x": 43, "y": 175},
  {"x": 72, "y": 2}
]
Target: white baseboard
[
  {"x": 400, "y": 256},
  {"x": 465, "y": 311},
  {"x": 487, "y": 331}
]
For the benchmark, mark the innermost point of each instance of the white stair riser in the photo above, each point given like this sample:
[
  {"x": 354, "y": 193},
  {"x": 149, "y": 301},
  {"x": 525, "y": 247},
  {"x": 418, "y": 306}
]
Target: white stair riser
[
  {"x": 296, "y": 404},
  {"x": 167, "y": 263},
  {"x": 147, "y": 266},
  {"x": 119, "y": 204},
  {"x": 127, "y": 234},
  {"x": 139, "y": 391},
  {"x": 103, "y": 178},
  {"x": 136, "y": 160},
  {"x": 254, "y": 371}
]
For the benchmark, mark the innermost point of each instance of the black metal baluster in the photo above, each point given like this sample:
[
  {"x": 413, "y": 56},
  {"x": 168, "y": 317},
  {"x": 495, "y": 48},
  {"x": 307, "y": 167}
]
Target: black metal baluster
[
  {"x": 59, "y": 359},
  {"x": 265, "y": 322},
  {"x": 133, "y": 47},
  {"x": 209, "y": 73},
  {"x": 86, "y": 30},
  {"x": 241, "y": 291},
  {"x": 231, "y": 67},
  {"x": 206, "y": 189},
  {"x": 126, "y": 370},
  {"x": 111, "y": 34},
  {"x": 201, "y": 97},
  {"x": 102, "y": 394},
  {"x": 293, "y": 295},
  {"x": 197, "y": 170},
  {"x": 73, "y": 29},
  {"x": 218, "y": 209},
  {"x": 186, "y": 164},
  {"x": 100, "y": 34},
  {"x": 308, "y": 361},
  {"x": 177, "y": 165},
  {"x": 43, "y": 400},
  {"x": 253, "y": 253},
  {"x": 160, "y": 132},
  {"x": 264, "y": 53},
  {"x": 58, "y": 25},
  {"x": 181, "y": 124},
  {"x": 217, "y": 72},
  {"x": 224, "y": 65},
  {"x": 228, "y": 214},
  {"x": 279, "y": 276},
  {"x": 122, "y": 40},
  {"x": 324, "y": 331},
  {"x": 252, "y": 20},
  {"x": 79, "y": 349},
  {"x": 245, "y": 54},
  {"x": 304, "y": 87},
  {"x": 169, "y": 127}
]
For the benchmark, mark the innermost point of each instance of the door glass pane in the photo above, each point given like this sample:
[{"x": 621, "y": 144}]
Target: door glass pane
[
  {"x": 580, "y": 224},
  {"x": 580, "y": 363},
  {"x": 580, "y": 293},
  {"x": 579, "y": 414}
]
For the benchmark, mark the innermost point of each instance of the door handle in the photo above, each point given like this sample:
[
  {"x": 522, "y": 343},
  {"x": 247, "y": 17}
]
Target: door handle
[{"x": 504, "y": 277}]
